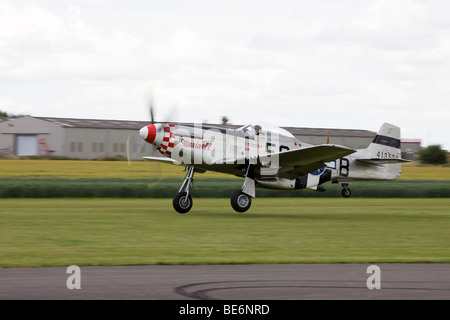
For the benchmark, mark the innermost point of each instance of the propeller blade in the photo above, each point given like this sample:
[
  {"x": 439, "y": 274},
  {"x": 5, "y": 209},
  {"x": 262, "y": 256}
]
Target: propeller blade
[
  {"x": 151, "y": 107},
  {"x": 152, "y": 117},
  {"x": 150, "y": 97},
  {"x": 128, "y": 151}
]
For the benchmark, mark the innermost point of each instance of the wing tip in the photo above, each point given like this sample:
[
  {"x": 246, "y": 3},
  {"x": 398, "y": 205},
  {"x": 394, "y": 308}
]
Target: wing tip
[{"x": 161, "y": 159}]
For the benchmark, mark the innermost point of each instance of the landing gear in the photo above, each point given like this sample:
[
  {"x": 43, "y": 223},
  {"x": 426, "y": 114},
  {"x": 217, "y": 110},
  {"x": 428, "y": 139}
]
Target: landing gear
[
  {"x": 346, "y": 192},
  {"x": 241, "y": 201},
  {"x": 182, "y": 201}
]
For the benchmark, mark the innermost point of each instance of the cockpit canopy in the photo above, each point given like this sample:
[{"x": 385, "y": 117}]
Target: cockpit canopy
[{"x": 253, "y": 130}]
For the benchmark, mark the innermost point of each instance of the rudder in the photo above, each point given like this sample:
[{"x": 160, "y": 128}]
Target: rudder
[{"x": 386, "y": 144}]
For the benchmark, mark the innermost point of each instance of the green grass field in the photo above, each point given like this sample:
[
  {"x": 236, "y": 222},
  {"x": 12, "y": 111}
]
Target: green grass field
[
  {"x": 52, "y": 232},
  {"x": 143, "y": 179},
  {"x": 93, "y": 169},
  {"x": 126, "y": 231},
  {"x": 146, "y": 169}
]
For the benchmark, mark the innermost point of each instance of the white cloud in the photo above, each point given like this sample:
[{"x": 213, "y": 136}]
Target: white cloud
[
  {"x": 40, "y": 46},
  {"x": 12, "y": 106},
  {"x": 346, "y": 64}
]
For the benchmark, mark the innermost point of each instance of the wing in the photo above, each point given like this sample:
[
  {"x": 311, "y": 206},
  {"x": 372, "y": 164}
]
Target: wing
[
  {"x": 290, "y": 164},
  {"x": 161, "y": 159},
  {"x": 298, "y": 162}
]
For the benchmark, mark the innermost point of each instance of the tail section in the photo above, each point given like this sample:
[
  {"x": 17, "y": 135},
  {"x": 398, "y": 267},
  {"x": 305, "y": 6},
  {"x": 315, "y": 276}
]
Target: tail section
[
  {"x": 386, "y": 144},
  {"x": 384, "y": 152}
]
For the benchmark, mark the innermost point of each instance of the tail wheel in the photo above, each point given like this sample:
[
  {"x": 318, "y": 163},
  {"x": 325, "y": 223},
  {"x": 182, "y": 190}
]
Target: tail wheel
[
  {"x": 182, "y": 203},
  {"x": 241, "y": 201}
]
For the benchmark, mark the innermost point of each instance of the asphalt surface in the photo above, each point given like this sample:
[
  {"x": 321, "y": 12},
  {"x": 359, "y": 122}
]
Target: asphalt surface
[{"x": 229, "y": 282}]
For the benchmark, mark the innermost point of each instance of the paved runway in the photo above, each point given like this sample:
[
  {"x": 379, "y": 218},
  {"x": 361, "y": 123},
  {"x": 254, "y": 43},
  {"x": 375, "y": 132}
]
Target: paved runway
[{"x": 230, "y": 282}]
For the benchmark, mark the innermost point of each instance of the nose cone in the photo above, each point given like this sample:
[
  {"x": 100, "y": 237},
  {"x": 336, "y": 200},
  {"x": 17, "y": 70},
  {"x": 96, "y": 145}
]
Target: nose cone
[{"x": 148, "y": 133}]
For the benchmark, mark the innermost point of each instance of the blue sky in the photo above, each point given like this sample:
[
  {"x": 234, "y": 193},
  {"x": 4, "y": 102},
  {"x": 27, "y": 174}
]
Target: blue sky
[{"x": 331, "y": 64}]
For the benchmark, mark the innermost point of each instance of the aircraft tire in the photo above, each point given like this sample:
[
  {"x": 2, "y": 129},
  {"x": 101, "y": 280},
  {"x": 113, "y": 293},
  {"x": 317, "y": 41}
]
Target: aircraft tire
[
  {"x": 182, "y": 204},
  {"x": 241, "y": 201},
  {"x": 346, "y": 192}
]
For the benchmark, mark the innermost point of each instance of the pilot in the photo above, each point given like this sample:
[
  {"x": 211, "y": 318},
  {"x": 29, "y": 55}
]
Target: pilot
[{"x": 257, "y": 128}]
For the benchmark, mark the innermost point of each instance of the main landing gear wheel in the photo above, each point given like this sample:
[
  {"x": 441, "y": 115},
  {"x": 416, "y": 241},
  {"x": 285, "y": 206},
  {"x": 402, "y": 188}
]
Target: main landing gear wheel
[
  {"x": 346, "y": 192},
  {"x": 241, "y": 201},
  {"x": 182, "y": 203}
]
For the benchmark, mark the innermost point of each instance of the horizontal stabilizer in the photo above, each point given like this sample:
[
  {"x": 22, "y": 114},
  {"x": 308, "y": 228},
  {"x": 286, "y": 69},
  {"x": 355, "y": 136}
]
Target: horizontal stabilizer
[{"x": 377, "y": 161}]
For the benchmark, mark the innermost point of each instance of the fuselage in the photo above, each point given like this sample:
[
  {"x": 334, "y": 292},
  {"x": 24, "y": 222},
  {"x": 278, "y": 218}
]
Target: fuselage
[{"x": 231, "y": 150}]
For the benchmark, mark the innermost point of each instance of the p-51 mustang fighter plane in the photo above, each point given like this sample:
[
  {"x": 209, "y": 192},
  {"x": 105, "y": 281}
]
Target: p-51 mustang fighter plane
[{"x": 270, "y": 157}]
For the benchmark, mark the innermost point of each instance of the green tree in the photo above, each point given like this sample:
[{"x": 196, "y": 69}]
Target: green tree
[
  {"x": 433, "y": 154},
  {"x": 6, "y": 114},
  {"x": 225, "y": 120}
]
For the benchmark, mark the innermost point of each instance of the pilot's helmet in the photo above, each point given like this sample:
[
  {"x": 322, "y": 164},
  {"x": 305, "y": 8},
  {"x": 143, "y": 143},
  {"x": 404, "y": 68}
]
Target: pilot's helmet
[{"x": 257, "y": 128}]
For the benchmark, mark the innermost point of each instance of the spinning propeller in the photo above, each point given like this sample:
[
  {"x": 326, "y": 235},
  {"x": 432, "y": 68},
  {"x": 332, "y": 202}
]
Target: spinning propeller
[
  {"x": 144, "y": 132},
  {"x": 149, "y": 134}
]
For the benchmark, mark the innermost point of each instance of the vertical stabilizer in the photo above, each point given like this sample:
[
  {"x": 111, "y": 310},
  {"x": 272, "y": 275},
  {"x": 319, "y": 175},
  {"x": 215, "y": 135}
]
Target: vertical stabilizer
[
  {"x": 386, "y": 144},
  {"x": 384, "y": 153}
]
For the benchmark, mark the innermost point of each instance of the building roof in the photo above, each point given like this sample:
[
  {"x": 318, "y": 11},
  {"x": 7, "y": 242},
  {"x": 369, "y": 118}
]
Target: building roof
[
  {"x": 333, "y": 132},
  {"x": 136, "y": 125},
  {"x": 95, "y": 123},
  {"x": 4, "y": 119},
  {"x": 411, "y": 141}
]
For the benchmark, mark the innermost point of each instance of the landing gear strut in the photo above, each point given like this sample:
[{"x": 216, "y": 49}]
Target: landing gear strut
[
  {"x": 182, "y": 201},
  {"x": 241, "y": 200}
]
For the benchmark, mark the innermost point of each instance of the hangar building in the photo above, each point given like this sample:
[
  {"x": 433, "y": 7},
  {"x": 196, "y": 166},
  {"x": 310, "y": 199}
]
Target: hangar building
[{"x": 97, "y": 139}]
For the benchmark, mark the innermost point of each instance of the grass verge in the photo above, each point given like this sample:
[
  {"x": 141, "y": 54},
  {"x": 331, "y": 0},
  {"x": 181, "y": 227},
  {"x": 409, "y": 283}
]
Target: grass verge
[
  {"x": 24, "y": 187},
  {"x": 61, "y": 232}
]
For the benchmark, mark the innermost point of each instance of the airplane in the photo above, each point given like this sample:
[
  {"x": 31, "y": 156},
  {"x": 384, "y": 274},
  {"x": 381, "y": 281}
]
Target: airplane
[{"x": 268, "y": 156}]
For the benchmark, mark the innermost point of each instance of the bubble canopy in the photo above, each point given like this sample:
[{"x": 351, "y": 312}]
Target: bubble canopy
[{"x": 264, "y": 128}]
